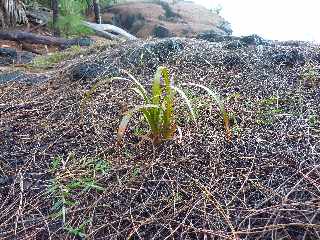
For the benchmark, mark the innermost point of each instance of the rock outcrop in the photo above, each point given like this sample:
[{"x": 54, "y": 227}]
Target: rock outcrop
[{"x": 165, "y": 19}]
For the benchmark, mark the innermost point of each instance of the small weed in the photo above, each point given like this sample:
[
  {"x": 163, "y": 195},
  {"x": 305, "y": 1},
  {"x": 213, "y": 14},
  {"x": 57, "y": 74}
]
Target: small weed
[
  {"x": 264, "y": 121},
  {"x": 89, "y": 184},
  {"x": 55, "y": 164},
  {"x": 177, "y": 197},
  {"x": 236, "y": 130},
  {"x": 268, "y": 109},
  {"x": 270, "y": 101},
  {"x": 232, "y": 118},
  {"x": 199, "y": 102},
  {"x": 220, "y": 103},
  {"x": 201, "y": 106},
  {"x": 61, "y": 199},
  {"x": 313, "y": 120},
  {"x": 136, "y": 172},
  {"x": 50, "y": 60},
  {"x": 79, "y": 231},
  {"x": 73, "y": 177},
  {"x": 128, "y": 153},
  {"x": 249, "y": 104},
  {"x": 310, "y": 74},
  {"x": 74, "y": 184},
  {"x": 139, "y": 131},
  {"x": 102, "y": 166}
]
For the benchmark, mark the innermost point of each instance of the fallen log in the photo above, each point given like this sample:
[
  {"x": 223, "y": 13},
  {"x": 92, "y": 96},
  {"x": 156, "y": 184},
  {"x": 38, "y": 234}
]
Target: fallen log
[
  {"x": 108, "y": 30},
  {"x": 27, "y": 37}
]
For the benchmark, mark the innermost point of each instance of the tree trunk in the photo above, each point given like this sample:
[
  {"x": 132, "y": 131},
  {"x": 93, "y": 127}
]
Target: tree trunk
[
  {"x": 96, "y": 9},
  {"x": 55, "y": 16},
  {"x": 12, "y": 12},
  {"x": 27, "y": 37}
]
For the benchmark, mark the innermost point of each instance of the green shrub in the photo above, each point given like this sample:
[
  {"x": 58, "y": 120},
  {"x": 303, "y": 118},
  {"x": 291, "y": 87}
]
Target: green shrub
[
  {"x": 71, "y": 15},
  {"x": 71, "y": 26}
]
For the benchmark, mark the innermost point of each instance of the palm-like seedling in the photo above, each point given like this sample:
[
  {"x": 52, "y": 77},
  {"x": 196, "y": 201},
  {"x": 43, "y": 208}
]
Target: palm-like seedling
[{"x": 158, "y": 109}]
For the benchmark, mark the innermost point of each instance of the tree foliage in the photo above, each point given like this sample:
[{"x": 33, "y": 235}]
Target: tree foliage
[{"x": 71, "y": 14}]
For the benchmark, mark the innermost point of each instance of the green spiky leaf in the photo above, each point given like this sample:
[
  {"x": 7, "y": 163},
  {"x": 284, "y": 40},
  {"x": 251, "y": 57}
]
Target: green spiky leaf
[
  {"x": 219, "y": 102},
  {"x": 126, "y": 118},
  {"x": 187, "y": 101},
  {"x": 168, "y": 115}
]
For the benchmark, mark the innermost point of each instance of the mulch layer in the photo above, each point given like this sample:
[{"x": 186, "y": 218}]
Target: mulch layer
[{"x": 62, "y": 175}]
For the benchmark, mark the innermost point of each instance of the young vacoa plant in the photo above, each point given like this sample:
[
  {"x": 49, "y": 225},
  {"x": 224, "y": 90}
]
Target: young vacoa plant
[
  {"x": 219, "y": 102},
  {"x": 158, "y": 108}
]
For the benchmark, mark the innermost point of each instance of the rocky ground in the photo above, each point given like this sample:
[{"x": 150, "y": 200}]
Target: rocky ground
[
  {"x": 63, "y": 176},
  {"x": 165, "y": 18}
]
